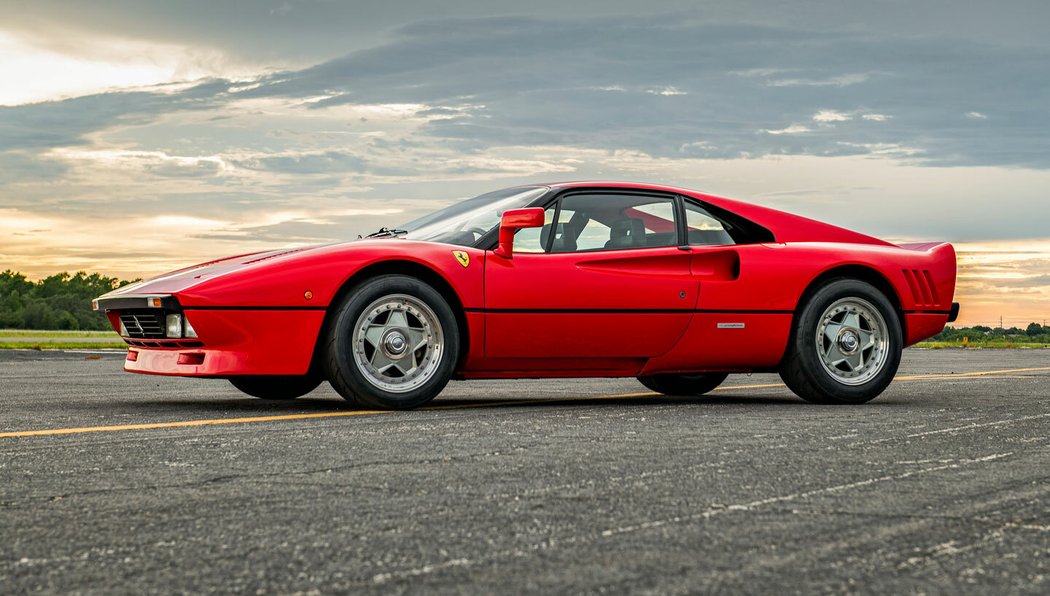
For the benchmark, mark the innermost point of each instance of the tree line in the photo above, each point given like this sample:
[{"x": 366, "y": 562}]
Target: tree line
[
  {"x": 61, "y": 301},
  {"x": 1034, "y": 333}
]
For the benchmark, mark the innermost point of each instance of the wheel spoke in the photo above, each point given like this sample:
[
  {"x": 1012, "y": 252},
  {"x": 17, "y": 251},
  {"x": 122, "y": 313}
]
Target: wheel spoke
[
  {"x": 402, "y": 368},
  {"x": 832, "y": 331},
  {"x": 397, "y": 319},
  {"x": 381, "y": 361},
  {"x": 867, "y": 340},
  {"x": 834, "y": 355},
  {"x": 374, "y": 335},
  {"x": 416, "y": 338},
  {"x": 851, "y": 320},
  {"x": 856, "y": 361}
]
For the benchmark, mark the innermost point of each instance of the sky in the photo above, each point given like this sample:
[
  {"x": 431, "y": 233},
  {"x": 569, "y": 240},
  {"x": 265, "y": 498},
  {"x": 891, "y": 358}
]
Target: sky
[{"x": 137, "y": 136}]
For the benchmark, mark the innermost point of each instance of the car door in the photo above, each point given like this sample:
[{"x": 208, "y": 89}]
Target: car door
[{"x": 604, "y": 279}]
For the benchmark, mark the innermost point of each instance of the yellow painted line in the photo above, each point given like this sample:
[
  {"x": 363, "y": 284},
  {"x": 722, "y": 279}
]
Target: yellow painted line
[
  {"x": 185, "y": 423},
  {"x": 283, "y": 417},
  {"x": 984, "y": 373}
]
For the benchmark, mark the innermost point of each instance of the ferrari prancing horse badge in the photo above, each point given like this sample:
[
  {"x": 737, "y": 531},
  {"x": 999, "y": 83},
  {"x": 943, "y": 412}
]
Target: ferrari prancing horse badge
[{"x": 462, "y": 257}]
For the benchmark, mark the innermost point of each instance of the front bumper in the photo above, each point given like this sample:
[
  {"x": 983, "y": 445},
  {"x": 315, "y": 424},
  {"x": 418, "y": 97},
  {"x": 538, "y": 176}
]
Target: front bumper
[{"x": 236, "y": 342}]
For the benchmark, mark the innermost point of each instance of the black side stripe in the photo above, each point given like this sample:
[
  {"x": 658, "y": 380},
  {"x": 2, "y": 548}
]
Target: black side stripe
[
  {"x": 624, "y": 311},
  {"x": 254, "y": 308}
]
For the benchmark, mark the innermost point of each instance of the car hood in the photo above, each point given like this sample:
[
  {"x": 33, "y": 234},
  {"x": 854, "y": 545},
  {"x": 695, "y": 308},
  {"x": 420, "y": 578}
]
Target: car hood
[{"x": 183, "y": 279}]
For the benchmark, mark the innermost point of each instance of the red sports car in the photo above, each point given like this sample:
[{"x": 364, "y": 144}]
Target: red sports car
[{"x": 582, "y": 279}]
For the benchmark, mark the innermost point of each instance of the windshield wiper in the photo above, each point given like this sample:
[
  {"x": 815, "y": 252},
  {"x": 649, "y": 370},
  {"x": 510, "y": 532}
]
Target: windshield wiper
[{"x": 384, "y": 232}]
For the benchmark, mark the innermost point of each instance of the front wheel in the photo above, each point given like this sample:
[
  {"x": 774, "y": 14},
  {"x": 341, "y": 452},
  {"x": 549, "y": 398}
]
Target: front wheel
[
  {"x": 277, "y": 387},
  {"x": 692, "y": 385},
  {"x": 845, "y": 346},
  {"x": 393, "y": 344}
]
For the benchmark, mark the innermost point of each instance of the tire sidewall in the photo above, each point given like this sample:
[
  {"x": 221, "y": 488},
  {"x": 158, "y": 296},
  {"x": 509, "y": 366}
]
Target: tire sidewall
[
  {"x": 343, "y": 371},
  {"x": 805, "y": 346}
]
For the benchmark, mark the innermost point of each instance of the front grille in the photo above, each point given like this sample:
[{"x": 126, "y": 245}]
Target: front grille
[{"x": 144, "y": 325}]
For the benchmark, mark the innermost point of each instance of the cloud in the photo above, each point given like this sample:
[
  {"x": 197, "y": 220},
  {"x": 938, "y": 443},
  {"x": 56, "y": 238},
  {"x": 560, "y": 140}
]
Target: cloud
[
  {"x": 826, "y": 116},
  {"x": 794, "y": 129},
  {"x": 835, "y": 81}
]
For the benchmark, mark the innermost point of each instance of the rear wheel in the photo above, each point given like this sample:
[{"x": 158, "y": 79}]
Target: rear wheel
[
  {"x": 277, "y": 387},
  {"x": 671, "y": 384},
  {"x": 393, "y": 344},
  {"x": 846, "y": 345}
]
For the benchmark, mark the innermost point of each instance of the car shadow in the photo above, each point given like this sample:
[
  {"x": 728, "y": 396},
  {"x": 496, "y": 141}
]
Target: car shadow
[{"x": 306, "y": 405}]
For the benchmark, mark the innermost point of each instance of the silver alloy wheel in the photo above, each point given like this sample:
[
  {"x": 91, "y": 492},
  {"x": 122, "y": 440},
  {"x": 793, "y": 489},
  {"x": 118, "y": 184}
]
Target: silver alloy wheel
[
  {"x": 852, "y": 341},
  {"x": 398, "y": 343}
]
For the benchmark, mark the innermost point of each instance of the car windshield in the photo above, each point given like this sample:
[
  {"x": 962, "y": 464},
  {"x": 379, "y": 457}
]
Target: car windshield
[{"x": 466, "y": 222}]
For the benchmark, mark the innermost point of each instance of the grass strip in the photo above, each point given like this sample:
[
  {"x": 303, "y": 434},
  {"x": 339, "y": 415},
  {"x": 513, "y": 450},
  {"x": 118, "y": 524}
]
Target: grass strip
[
  {"x": 993, "y": 345},
  {"x": 58, "y": 344},
  {"x": 49, "y": 334}
]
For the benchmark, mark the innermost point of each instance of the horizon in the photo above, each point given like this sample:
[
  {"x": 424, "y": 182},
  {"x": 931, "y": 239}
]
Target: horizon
[{"x": 170, "y": 140}]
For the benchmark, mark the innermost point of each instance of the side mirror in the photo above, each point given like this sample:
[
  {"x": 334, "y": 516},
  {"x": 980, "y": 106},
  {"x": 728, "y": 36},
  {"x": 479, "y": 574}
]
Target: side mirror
[{"x": 514, "y": 220}]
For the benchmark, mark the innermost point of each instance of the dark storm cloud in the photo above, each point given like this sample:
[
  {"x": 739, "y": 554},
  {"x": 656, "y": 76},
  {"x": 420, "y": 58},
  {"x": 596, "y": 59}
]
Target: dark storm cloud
[
  {"x": 63, "y": 123},
  {"x": 307, "y": 31},
  {"x": 664, "y": 87},
  {"x": 706, "y": 90}
]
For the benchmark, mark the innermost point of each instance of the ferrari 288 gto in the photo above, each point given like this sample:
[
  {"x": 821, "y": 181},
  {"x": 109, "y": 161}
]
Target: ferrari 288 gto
[{"x": 582, "y": 279}]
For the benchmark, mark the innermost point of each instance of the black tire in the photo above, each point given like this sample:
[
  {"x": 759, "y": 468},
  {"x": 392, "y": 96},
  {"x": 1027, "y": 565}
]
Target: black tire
[
  {"x": 351, "y": 377},
  {"x": 277, "y": 387},
  {"x": 678, "y": 384},
  {"x": 804, "y": 369}
]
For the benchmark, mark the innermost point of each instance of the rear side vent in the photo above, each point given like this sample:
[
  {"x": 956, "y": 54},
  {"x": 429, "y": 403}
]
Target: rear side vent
[{"x": 923, "y": 290}]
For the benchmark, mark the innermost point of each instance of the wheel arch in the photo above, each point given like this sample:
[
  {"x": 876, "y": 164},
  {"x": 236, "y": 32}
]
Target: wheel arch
[
  {"x": 863, "y": 273},
  {"x": 398, "y": 267}
]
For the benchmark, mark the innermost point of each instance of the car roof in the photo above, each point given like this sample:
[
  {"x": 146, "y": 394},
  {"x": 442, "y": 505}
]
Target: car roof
[
  {"x": 640, "y": 186},
  {"x": 786, "y": 227}
]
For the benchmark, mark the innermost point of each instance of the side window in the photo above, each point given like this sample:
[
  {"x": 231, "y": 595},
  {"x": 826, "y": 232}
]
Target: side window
[
  {"x": 703, "y": 229},
  {"x": 597, "y": 221}
]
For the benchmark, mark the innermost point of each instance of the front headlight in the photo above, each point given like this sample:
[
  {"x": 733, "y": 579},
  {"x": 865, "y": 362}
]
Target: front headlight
[{"x": 174, "y": 326}]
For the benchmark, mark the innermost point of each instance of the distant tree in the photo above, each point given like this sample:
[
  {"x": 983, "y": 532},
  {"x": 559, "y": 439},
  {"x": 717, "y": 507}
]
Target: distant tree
[
  {"x": 1035, "y": 329},
  {"x": 60, "y": 301}
]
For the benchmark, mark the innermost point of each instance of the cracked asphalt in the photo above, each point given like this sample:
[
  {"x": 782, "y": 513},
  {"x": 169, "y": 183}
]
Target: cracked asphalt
[{"x": 140, "y": 484}]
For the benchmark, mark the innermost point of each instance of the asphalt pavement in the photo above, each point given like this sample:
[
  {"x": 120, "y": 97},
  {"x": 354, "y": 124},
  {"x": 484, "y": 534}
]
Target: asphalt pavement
[{"x": 119, "y": 483}]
